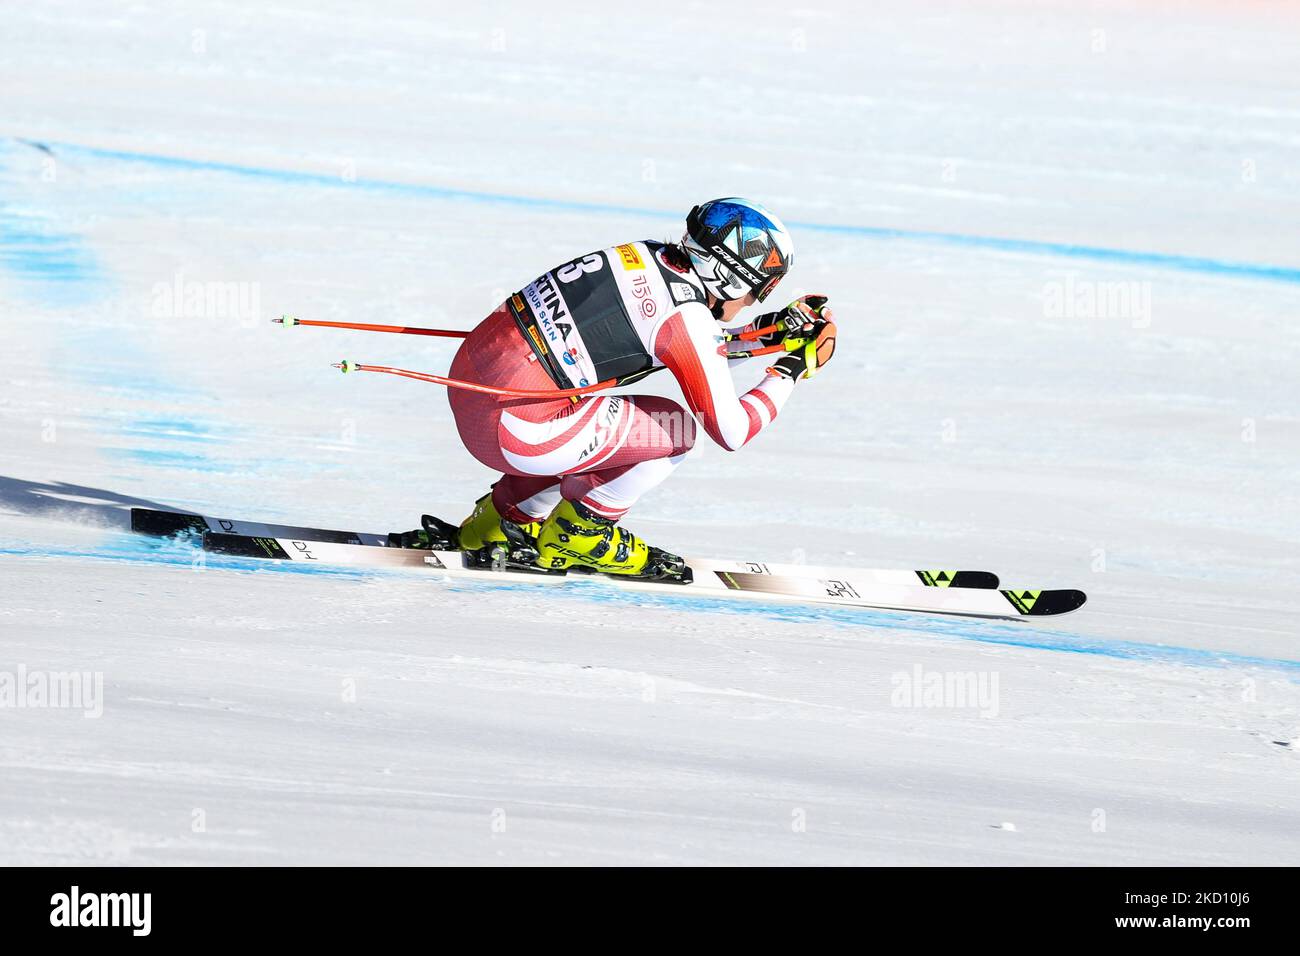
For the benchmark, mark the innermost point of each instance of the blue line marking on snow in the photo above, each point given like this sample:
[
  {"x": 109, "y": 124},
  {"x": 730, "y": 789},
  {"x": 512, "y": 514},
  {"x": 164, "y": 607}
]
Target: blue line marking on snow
[
  {"x": 176, "y": 430},
  {"x": 185, "y": 425},
  {"x": 1008, "y": 634},
  {"x": 53, "y": 265},
  {"x": 176, "y": 552},
  {"x": 183, "y": 443},
  {"x": 1020, "y": 634},
  {"x": 193, "y": 458},
  {"x": 31, "y": 248},
  {"x": 175, "y": 459},
  {"x": 301, "y": 178},
  {"x": 1126, "y": 257}
]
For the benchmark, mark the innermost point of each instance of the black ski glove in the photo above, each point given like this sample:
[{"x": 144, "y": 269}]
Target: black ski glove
[{"x": 799, "y": 314}]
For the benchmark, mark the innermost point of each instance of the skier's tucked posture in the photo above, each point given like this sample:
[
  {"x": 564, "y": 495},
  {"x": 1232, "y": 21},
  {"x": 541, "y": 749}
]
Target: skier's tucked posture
[{"x": 572, "y": 467}]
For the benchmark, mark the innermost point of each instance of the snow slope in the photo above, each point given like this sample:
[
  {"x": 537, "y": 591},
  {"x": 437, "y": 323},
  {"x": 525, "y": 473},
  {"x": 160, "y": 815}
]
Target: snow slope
[{"x": 953, "y": 173}]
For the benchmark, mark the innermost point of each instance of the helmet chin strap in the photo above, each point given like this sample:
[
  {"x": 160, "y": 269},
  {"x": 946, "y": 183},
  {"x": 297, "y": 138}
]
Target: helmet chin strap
[{"x": 726, "y": 310}]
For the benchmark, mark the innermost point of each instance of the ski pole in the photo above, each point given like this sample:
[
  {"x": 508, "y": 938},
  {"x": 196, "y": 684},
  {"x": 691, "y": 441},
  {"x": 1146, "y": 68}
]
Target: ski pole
[
  {"x": 750, "y": 335},
  {"x": 289, "y": 321},
  {"x": 750, "y": 353},
  {"x": 347, "y": 365}
]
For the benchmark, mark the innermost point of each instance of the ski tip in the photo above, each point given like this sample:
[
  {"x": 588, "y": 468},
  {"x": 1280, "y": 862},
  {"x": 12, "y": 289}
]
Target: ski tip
[
  {"x": 1038, "y": 603},
  {"x": 165, "y": 524},
  {"x": 982, "y": 580}
]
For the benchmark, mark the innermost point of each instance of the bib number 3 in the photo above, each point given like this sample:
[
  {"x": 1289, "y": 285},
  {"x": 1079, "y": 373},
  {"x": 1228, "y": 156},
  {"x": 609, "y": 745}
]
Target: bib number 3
[{"x": 575, "y": 269}]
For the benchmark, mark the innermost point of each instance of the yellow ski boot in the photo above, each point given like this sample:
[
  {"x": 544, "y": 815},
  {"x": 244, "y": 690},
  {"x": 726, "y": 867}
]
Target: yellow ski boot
[
  {"x": 574, "y": 536},
  {"x": 483, "y": 526}
]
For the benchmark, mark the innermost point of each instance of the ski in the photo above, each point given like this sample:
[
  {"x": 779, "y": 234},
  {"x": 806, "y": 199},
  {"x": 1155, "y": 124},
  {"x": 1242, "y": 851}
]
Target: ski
[
  {"x": 166, "y": 524},
  {"x": 850, "y": 588}
]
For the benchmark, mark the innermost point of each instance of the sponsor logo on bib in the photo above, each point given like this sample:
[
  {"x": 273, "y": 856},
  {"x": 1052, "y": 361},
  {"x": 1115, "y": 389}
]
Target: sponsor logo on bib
[
  {"x": 532, "y": 331},
  {"x": 631, "y": 258}
]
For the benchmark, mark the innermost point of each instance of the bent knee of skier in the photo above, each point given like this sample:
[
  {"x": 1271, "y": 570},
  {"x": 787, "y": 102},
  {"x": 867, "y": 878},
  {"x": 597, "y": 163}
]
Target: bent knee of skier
[
  {"x": 661, "y": 428},
  {"x": 611, "y": 492}
]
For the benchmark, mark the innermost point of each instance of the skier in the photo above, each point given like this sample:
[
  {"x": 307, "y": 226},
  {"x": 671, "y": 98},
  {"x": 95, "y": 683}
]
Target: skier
[{"x": 572, "y": 467}]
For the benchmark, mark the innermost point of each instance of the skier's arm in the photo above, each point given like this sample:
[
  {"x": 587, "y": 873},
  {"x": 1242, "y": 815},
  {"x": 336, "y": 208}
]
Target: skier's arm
[{"x": 686, "y": 344}]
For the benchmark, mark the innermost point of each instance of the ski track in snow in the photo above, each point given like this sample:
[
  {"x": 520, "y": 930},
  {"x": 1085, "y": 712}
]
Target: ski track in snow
[{"x": 328, "y": 161}]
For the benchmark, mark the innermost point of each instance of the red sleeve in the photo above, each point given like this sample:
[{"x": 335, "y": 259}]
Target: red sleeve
[{"x": 690, "y": 351}]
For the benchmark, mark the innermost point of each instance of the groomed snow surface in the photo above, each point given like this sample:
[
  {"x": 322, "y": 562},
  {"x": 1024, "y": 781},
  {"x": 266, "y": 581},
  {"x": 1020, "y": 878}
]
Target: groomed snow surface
[{"x": 1106, "y": 402}]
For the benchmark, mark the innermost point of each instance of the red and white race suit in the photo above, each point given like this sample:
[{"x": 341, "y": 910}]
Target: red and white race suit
[{"x": 618, "y": 313}]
